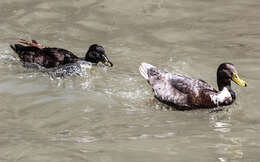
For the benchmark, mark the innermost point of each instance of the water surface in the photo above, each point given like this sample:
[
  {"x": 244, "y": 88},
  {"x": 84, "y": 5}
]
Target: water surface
[{"x": 110, "y": 115}]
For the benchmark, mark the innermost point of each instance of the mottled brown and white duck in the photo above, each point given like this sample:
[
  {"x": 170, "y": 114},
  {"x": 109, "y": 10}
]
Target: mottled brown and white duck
[
  {"x": 49, "y": 57},
  {"x": 187, "y": 93}
]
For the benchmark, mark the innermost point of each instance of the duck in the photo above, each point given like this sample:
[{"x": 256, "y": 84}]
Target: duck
[
  {"x": 186, "y": 93},
  {"x": 51, "y": 57}
]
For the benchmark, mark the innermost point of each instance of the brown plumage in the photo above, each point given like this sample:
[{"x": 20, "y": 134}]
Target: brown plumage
[
  {"x": 49, "y": 57},
  {"x": 187, "y": 93}
]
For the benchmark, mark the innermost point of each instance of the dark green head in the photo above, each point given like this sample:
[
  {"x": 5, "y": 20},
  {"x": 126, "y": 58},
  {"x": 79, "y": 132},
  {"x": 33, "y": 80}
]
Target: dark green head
[{"x": 226, "y": 73}]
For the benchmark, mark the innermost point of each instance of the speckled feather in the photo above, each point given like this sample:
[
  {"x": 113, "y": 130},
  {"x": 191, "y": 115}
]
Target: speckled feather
[{"x": 182, "y": 91}]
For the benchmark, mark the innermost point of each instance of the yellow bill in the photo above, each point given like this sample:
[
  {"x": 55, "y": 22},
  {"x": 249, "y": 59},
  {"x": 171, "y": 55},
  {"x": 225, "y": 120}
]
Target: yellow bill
[
  {"x": 106, "y": 63},
  {"x": 238, "y": 81}
]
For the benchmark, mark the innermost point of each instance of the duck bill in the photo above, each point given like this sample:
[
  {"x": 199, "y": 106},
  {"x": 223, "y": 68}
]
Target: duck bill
[
  {"x": 106, "y": 61},
  {"x": 238, "y": 81}
]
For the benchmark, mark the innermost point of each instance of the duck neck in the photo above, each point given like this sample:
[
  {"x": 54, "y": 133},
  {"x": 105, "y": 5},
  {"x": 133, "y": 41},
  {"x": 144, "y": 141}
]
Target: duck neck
[
  {"x": 222, "y": 82},
  {"x": 233, "y": 94},
  {"x": 226, "y": 84},
  {"x": 228, "y": 87},
  {"x": 90, "y": 59},
  {"x": 221, "y": 86}
]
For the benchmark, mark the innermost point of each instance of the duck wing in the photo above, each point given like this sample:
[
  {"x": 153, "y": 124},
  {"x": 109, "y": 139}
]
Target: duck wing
[
  {"x": 188, "y": 85},
  {"x": 53, "y": 57}
]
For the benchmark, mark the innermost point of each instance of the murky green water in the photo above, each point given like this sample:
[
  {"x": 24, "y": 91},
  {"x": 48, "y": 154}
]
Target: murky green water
[{"x": 110, "y": 115}]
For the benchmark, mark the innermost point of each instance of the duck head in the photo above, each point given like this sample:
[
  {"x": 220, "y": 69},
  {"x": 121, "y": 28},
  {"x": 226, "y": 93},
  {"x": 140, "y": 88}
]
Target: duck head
[
  {"x": 96, "y": 54},
  {"x": 225, "y": 74}
]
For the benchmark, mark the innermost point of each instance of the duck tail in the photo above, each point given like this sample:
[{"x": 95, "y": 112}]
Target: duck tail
[
  {"x": 17, "y": 48},
  {"x": 144, "y": 67},
  {"x": 12, "y": 46}
]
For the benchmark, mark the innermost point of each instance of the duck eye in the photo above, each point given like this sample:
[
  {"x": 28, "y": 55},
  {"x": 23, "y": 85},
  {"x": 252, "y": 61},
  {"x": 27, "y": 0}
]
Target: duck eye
[{"x": 235, "y": 75}]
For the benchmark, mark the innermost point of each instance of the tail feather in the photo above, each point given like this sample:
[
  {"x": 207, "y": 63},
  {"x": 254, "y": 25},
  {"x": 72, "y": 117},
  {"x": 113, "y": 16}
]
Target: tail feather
[
  {"x": 13, "y": 47},
  {"x": 144, "y": 67},
  {"x": 17, "y": 48},
  {"x": 34, "y": 41}
]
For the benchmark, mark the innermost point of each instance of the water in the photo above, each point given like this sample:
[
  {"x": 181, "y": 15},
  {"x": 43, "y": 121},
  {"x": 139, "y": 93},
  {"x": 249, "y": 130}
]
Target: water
[{"x": 110, "y": 115}]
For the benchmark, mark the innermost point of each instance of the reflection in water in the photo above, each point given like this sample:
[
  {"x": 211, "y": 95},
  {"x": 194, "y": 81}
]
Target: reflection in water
[{"x": 230, "y": 148}]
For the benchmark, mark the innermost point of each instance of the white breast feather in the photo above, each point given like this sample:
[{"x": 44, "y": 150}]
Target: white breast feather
[{"x": 221, "y": 96}]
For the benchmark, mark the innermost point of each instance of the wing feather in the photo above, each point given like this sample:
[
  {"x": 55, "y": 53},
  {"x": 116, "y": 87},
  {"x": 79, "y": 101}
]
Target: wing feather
[{"x": 176, "y": 89}]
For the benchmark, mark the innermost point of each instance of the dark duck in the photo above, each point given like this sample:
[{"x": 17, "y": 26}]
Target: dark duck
[
  {"x": 51, "y": 57},
  {"x": 186, "y": 93}
]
